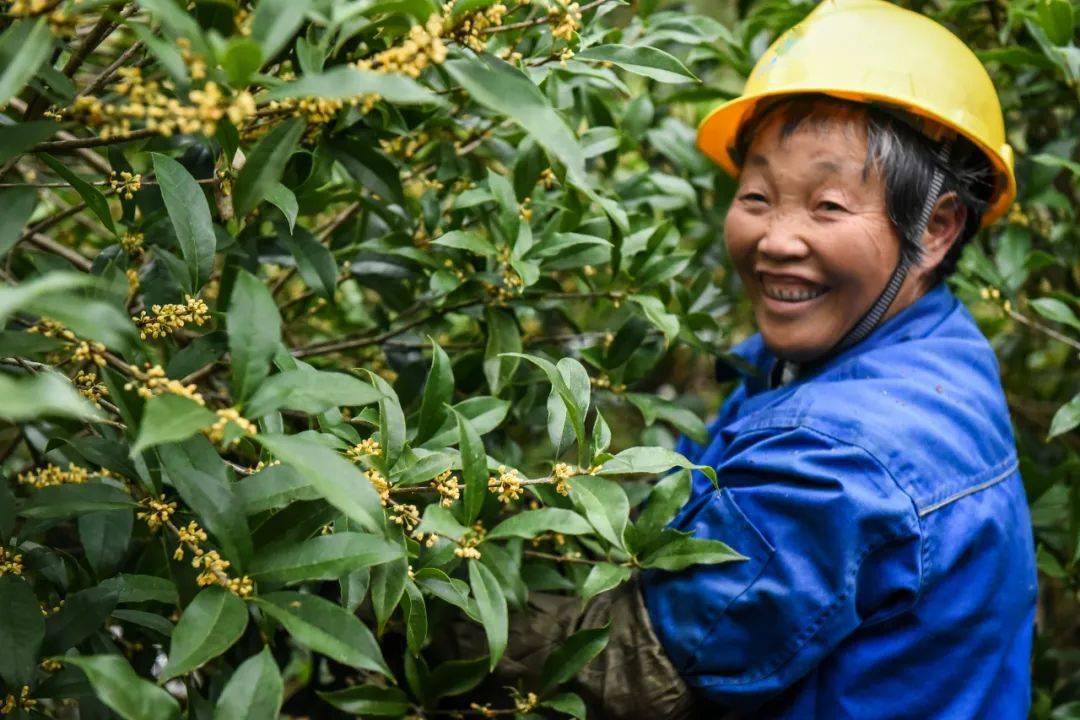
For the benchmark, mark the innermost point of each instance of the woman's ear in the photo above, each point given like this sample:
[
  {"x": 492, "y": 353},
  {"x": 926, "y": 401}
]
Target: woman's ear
[{"x": 943, "y": 229}]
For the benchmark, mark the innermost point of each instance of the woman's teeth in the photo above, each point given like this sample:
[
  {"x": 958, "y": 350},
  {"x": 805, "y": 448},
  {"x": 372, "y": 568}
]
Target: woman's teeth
[{"x": 790, "y": 294}]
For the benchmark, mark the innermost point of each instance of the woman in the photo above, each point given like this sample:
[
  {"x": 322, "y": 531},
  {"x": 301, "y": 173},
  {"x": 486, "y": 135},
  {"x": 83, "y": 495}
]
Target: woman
[{"x": 868, "y": 473}]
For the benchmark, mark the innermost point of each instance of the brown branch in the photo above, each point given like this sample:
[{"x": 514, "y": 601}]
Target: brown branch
[
  {"x": 49, "y": 245},
  {"x": 106, "y": 75},
  {"x": 77, "y": 143},
  {"x": 1049, "y": 331}
]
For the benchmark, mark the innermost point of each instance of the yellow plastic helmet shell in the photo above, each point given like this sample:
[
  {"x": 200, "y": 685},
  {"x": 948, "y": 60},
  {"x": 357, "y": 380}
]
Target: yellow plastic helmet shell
[{"x": 871, "y": 50}]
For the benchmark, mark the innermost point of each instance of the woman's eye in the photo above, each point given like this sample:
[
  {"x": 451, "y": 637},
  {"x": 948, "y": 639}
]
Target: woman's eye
[
  {"x": 831, "y": 206},
  {"x": 753, "y": 197}
]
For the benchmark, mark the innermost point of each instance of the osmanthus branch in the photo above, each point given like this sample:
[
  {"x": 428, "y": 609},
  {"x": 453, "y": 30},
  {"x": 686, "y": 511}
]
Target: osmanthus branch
[
  {"x": 78, "y": 143},
  {"x": 107, "y": 74},
  {"x": 1048, "y": 331},
  {"x": 537, "y": 21}
]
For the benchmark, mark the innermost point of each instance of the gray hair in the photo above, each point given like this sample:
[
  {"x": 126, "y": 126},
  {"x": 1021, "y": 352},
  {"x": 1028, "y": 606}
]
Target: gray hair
[{"x": 905, "y": 157}]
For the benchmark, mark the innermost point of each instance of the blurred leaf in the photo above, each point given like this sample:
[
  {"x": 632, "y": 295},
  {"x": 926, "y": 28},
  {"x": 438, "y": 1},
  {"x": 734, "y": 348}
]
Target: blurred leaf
[
  {"x": 46, "y": 394},
  {"x": 311, "y": 392},
  {"x": 24, "y": 46},
  {"x": 254, "y": 333},
  {"x": 350, "y": 82},
  {"x": 325, "y": 557},
  {"x": 275, "y": 22},
  {"x": 575, "y": 653},
  {"x": 530, "y": 523},
  {"x": 369, "y": 700},
  {"x": 16, "y": 206},
  {"x": 1066, "y": 418},
  {"x": 90, "y": 194},
  {"x": 22, "y": 629},
  {"x": 1054, "y": 309},
  {"x": 117, "y": 685},
  {"x": 61, "y": 501},
  {"x": 264, "y": 165}
]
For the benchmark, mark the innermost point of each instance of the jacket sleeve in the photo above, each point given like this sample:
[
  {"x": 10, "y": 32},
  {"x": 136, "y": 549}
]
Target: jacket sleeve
[{"x": 831, "y": 543}]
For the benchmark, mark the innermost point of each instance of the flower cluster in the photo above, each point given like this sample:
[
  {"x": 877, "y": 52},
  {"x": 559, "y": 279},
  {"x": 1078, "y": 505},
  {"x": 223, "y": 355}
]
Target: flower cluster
[
  {"x": 47, "y": 609},
  {"x": 562, "y": 473},
  {"x": 10, "y": 562},
  {"x": 21, "y": 702},
  {"x": 158, "y": 512},
  {"x": 132, "y": 243},
  {"x": 604, "y": 382},
  {"x": 125, "y": 183},
  {"x": 213, "y": 573},
  {"x": 216, "y": 432},
  {"x": 566, "y": 19},
  {"x": 54, "y": 475},
  {"x": 470, "y": 31},
  {"x": 86, "y": 382},
  {"x": 89, "y": 351},
  {"x": 170, "y": 317},
  {"x": 364, "y": 448},
  {"x": 407, "y": 516},
  {"x": 507, "y": 485},
  {"x": 380, "y": 484},
  {"x": 157, "y": 383},
  {"x": 423, "y": 47},
  {"x": 148, "y": 102},
  {"x": 468, "y": 543},
  {"x": 547, "y": 178},
  {"x": 526, "y": 703},
  {"x": 191, "y": 534},
  {"x": 446, "y": 484}
]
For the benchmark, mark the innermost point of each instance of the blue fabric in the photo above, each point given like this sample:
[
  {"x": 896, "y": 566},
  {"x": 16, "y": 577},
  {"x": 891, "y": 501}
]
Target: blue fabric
[{"x": 890, "y": 567}]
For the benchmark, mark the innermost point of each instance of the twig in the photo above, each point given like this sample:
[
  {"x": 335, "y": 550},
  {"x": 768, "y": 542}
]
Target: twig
[
  {"x": 99, "y": 183},
  {"x": 46, "y": 243},
  {"x": 1036, "y": 325},
  {"x": 64, "y": 145},
  {"x": 106, "y": 75}
]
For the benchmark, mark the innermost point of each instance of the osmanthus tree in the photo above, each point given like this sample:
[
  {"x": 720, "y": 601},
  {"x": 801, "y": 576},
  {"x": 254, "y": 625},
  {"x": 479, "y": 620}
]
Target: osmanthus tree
[
  {"x": 316, "y": 314},
  {"x": 328, "y": 324}
]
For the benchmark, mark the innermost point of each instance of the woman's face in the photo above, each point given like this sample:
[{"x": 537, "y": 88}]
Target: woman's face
[{"x": 809, "y": 236}]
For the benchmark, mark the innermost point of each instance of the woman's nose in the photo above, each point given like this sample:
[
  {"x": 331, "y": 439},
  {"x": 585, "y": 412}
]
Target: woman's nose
[{"x": 783, "y": 240}]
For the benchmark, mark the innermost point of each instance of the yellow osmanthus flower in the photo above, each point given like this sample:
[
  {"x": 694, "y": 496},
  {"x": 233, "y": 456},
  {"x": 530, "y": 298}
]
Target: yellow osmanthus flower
[
  {"x": 50, "y": 666},
  {"x": 132, "y": 243},
  {"x": 507, "y": 485},
  {"x": 380, "y": 484},
  {"x": 364, "y": 448},
  {"x": 158, "y": 512},
  {"x": 470, "y": 31},
  {"x": 157, "y": 383},
  {"x": 446, "y": 484},
  {"x": 170, "y": 317},
  {"x": 51, "y": 329},
  {"x": 54, "y": 475},
  {"x": 125, "y": 183},
  {"x": 547, "y": 178},
  {"x": 132, "y": 276},
  {"x": 483, "y": 710},
  {"x": 23, "y": 8},
  {"x": 10, "y": 562},
  {"x": 48, "y": 610},
  {"x": 21, "y": 702},
  {"x": 565, "y": 55},
  {"x": 89, "y": 351},
  {"x": 216, "y": 432},
  {"x": 422, "y": 47},
  {"x": 407, "y": 516},
  {"x": 527, "y": 703},
  {"x": 562, "y": 473},
  {"x": 192, "y": 535},
  {"x": 568, "y": 19}
]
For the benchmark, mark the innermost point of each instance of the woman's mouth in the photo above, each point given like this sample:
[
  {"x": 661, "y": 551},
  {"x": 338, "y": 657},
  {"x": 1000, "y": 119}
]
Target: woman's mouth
[{"x": 790, "y": 290}]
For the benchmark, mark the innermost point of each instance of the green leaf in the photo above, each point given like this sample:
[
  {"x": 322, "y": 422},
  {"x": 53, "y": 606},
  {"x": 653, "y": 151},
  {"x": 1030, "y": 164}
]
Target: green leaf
[
  {"x": 567, "y": 703},
  {"x": 189, "y": 214},
  {"x": 416, "y": 620},
  {"x": 570, "y": 382},
  {"x": 369, "y": 700},
  {"x": 683, "y": 552},
  {"x": 211, "y": 623},
  {"x": 22, "y": 629},
  {"x": 62, "y": 501},
  {"x": 666, "y": 499},
  {"x": 16, "y": 206},
  {"x": 654, "y": 310},
  {"x": 391, "y": 421},
  {"x": 333, "y": 477},
  {"x": 473, "y": 468},
  {"x": 314, "y": 262},
  {"x": 484, "y": 413},
  {"x": 273, "y": 488},
  {"x": 170, "y": 418},
  {"x": 605, "y": 504},
  {"x": 325, "y": 557},
  {"x": 466, "y": 240},
  {"x": 265, "y": 164},
  {"x": 346, "y": 83},
  {"x": 530, "y": 523},
  {"x": 275, "y": 22},
  {"x": 438, "y": 391},
  {"x": 254, "y": 692},
  {"x": 46, "y": 394},
  {"x": 651, "y": 460},
  {"x": 20, "y": 137},
  {"x": 201, "y": 479},
  {"x": 602, "y": 577},
  {"x": 311, "y": 392},
  {"x": 1056, "y": 310},
  {"x": 643, "y": 60},
  {"x": 653, "y": 408},
  {"x": 242, "y": 59},
  {"x": 116, "y": 684},
  {"x": 141, "y": 588},
  {"x": 323, "y": 627},
  {"x": 24, "y": 46},
  {"x": 501, "y": 87},
  {"x": 503, "y": 337},
  {"x": 388, "y": 584},
  {"x": 441, "y": 521},
  {"x": 254, "y": 328},
  {"x": 90, "y": 194},
  {"x": 83, "y": 614},
  {"x": 455, "y": 677},
  {"x": 105, "y": 537},
  {"x": 491, "y": 605},
  {"x": 285, "y": 200},
  {"x": 1066, "y": 418},
  {"x": 575, "y": 653}
]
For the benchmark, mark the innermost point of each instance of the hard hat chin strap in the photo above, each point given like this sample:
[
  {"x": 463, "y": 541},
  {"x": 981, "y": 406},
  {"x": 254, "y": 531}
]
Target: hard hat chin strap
[{"x": 872, "y": 318}]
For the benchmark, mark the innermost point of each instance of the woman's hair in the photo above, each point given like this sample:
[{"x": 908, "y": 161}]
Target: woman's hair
[{"x": 905, "y": 157}]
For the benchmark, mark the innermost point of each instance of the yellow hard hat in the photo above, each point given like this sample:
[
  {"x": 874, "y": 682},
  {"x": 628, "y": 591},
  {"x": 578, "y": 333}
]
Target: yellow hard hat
[{"x": 871, "y": 50}]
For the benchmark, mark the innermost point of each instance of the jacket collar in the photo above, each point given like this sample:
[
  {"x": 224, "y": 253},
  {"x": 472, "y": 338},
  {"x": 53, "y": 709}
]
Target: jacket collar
[{"x": 916, "y": 320}]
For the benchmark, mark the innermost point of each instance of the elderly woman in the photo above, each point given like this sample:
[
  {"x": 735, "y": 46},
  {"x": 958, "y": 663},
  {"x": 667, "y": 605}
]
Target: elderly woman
[{"x": 868, "y": 471}]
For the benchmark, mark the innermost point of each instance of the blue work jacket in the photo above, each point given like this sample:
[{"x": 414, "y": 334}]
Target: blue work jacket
[{"x": 890, "y": 567}]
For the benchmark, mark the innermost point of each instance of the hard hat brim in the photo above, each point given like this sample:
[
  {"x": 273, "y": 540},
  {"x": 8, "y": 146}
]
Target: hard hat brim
[{"x": 716, "y": 137}]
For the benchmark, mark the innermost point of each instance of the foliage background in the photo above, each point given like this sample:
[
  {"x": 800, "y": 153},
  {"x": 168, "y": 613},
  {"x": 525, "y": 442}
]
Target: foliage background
[{"x": 188, "y": 193}]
